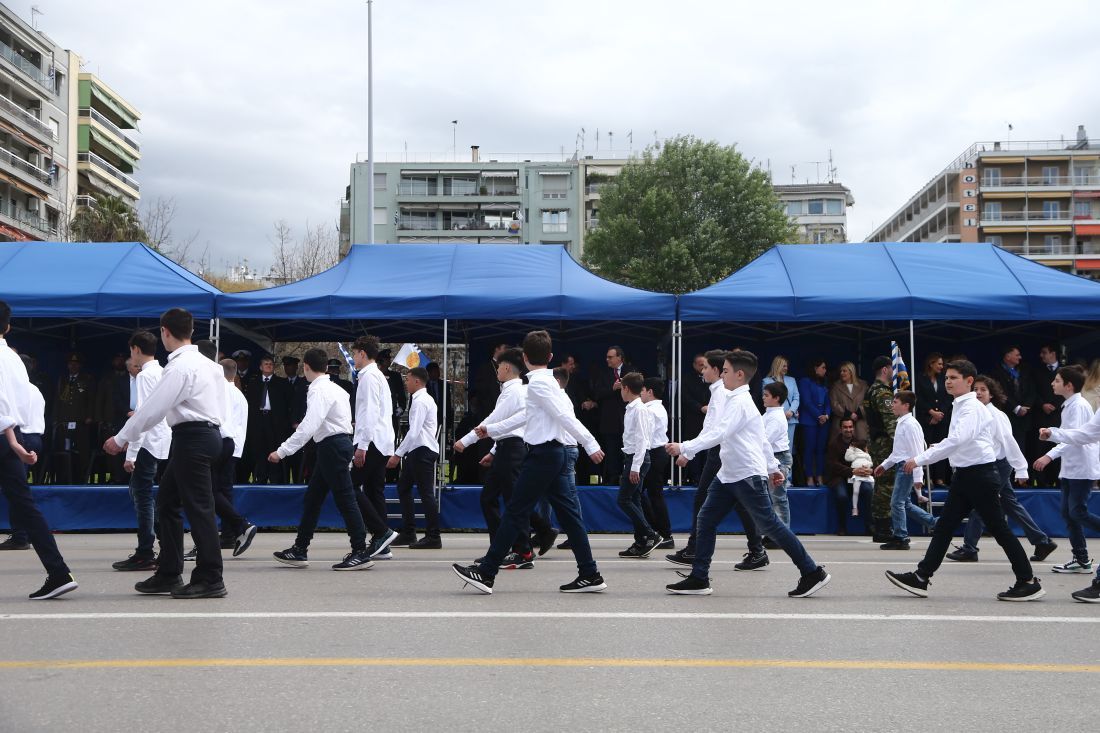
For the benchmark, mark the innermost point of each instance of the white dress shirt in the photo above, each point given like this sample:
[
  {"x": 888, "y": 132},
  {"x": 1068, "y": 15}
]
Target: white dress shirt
[
  {"x": 507, "y": 425},
  {"x": 1083, "y": 435},
  {"x": 549, "y": 414},
  {"x": 236, "y": 418},
  {"x": 190, "y": 390},
  {"x": 374, "y": 411},
  {"x": 157, "y": 439},
  {"x": 1004, "y": 445},
  {"x": 659, "y": 433},
  {"x": 15, "y": 393},
  {"x": 711, "y": 434},
  {"x": 745, "y": 450},
  {"x": 328, "y": 413},
  {"x": 908, "y": 443},
  {"x": 1078, "y": 462},
  {"x": 637, "y": 431},
  {"x": 266, "y": 392},
  {"x": 36, "y": 423},
  {"x": 423, "y": 421},
  {"x": 969, "y": 440},
  {"x": 775, "y": 429},
  {"x": 512, "y": 401}
]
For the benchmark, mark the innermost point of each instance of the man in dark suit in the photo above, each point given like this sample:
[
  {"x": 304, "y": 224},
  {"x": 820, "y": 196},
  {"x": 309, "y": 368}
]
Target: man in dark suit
[
  {"x": 1047, "y": 413},
  {"x": 577, "y": 389},
  {"x": 75, "y": 420},
  {"x": 1019, "y": 386},
  {"x": 485, "y": 389},
  {"x": 398, "y": 396},
  {"x": 112, "y": 406},
  {"x": 295, "y": 464},
  {"x": 335, "y": 367},
  {"x": 245, "y": 375},
  {"x": 606, "y": 385},
  {"x": 269, "y": 399},
  {"x": 435, "y": 389},
  {"x": 693, "y": 400}
]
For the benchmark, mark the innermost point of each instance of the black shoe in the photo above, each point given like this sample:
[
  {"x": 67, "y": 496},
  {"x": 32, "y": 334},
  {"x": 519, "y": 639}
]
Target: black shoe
[
  {"x": 192, "y": 555},
  {"x": 200, "y": 589},
  {"x": 244, "y": 540},
  {"x": 55, "y": 586},
  {"x": 474, "y": 577},
  {"x": 895, "y": 544},
  {"x": 565, "y": 545},
  {"x": 379, "y": 545},
  {"x": 587, "y": 584},
  {"x": 136, "y": 562},
  {"x": 811, "y": 583},
  {"x": 1088, "y": 595},
  {"x": 770, "y": 544},
  {"x": 1042, "y": 552},
  {"x": 910, "y": 582},
  {"x": 544, "y": 541},
  {"x": 159, "y": 584},
  {"x": 355, "y": 560},
  {"x": 690, "y": 586},
  {"x": 753, "y": 562},
  {"x": 650, "y": 544},
  {"x": 13, "y": 544},
  {"x": 961, "y": 554},
  {"x": 516, "y": 561},
  {"x": 634, "y": 550},
  {"x": 682, "y": 557},
  {"x": 1023, "y": 591},
  {"x": 427, "y": 543},
  {"x": 403, "y": 540},
  {"x": 295, "y": 557},
  {"x": 667, "y": 544}
]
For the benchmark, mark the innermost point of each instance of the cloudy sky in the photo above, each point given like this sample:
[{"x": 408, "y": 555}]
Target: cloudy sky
[{"x": 253, "y": 111}]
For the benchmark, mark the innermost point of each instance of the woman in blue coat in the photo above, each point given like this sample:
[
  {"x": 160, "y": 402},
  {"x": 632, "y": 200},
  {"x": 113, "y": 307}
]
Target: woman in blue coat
[{"x": 813, "y": 416}]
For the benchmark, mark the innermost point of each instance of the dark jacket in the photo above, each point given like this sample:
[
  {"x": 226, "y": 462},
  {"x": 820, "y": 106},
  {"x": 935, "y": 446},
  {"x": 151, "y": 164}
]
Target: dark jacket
[
  {"x": 1044, "y": 394},
  {"x": 694, "y": 398},
  {"x": 932, "y": 399},
  {"x": 298, "y": 390},
  {"x": 611, "y": 408},
  {"x": 836, "y": 468},
  {"x": 1020, "y": 392}
]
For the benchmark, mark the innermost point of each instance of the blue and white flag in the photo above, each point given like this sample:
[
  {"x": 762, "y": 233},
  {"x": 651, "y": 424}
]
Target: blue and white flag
[
  {"x": 410, "y": 356},
  {"x": 351, "y": 362},
  {"x": 901, "y": 372}
]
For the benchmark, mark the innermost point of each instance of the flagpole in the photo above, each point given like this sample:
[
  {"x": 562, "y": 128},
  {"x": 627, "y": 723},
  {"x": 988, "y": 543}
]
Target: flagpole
[{"x": 370, "y": 128}]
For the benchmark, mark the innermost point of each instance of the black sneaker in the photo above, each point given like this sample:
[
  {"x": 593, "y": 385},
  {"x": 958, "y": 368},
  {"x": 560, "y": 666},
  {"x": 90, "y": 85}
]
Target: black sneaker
[
  {"x": 13, "y": 544},
  {"x": 587, "y": 584},
  {"x": 201, "y": 590},
  {"x": 682, "y": 557},
  {"x": 910, "y": 582},
  {"x": 136, "y": 562},
  {"x": 1043, "y": 551},
  {"x": 1088, "y": 595},
  {"x": 379, "y": 545},
  {"x": 690, "y": 586},
  {"x": 650, "y": 544},
  {"x": 55, "y": 586},
  {"x": 426, "y": 543},
  {"x": 564, "y": 545},
  {"x": 753, "y": 562},
  {"x": 544, "y": 541},
  {"x": 244, "y": 540},
  {"x": 634, "y": 550},
  {"x": 295, "y": 557},
  {"x": 472, "y": 576},
  {"x": 355, "y": 560},
  {"x": 403, "y": 540},
  {"x": 811, "y": 583},
  {"x": 516, "y": 561},
  {"x": 961, "y": 554},
  {"x": 895, "y": 544},
  {"x": 667, "y": 544},
  {"x": 159, "y": 584},
  {"x": 192, "y": 555},
  {"x": 1023, "y": 591}
]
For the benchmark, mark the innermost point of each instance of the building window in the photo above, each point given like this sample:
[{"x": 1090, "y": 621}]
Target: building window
[
  {"x": 991, "y": 177},
  {"x": 992, "y": 211},
  {"x": 1052, "y": 244},
  {"x": 555, "y": 221},
  {"x": 834, "y": 207},
  {"x": 820, "y": 236},
  {"x": 1050, "y": 175},
  {"x": 457, "y": 186},
  {"x": 995, "y": 239},
  {"x": 1082, "y": 210},
  {"x": 55, "y": 128},
  {"x": 794, "y": 208},
  {"x": 379, "y": 181},
  {"x": 555, "y": 187},
  {"x": 1052, "y": 210},
  {"x": 815, "y": 206},
  {"x": 418, "y": 186},
  {"x": 1081, "y": 176}
]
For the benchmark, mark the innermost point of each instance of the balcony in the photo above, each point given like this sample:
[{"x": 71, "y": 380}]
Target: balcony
[
  {"x": 27, "y": 67},
  {"x": 593, "y": 223},
  {"x": 479, "y": 226},
  {"x": 1036, "y": 181},
  {"x": 85, "y": 201},
  {"x": 26, "y": 118},
  {"x": 1037, "y": 217},
  {"x": 94, "y": 114},
  {"x": 28, "y": 169},
  {"x": 407, "y": 190},
  {"x": 27, "y": 220},
  {"x": 95, "y": 160},
  {"x": 1040, "y": 249},
  {"x": 593, "y": 189}
]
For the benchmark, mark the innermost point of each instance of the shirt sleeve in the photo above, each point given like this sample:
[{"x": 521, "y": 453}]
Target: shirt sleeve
[
  {"x": 1087, "y": 433},
  {"x": 964, "y": 429},
  {"x": 710, "y": 436},
  {"x": 641, "y": 438},
  {"x": 164, "y": 396},
  {"x": 507, "y": 425},
  {"x": 792, "y": 396},
  {"x": 418, "y": 413},
  {"x": 143, "y": 390},
  {"x": 316, "y": 408}
]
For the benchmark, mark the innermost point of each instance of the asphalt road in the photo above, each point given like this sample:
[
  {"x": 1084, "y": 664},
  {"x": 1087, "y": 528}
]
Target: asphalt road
[{"x": 403, "y": 646}]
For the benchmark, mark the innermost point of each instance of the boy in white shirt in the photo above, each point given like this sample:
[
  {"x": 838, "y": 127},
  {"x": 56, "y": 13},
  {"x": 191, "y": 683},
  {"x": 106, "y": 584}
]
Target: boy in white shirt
[
  {"x": 420, "y": 451},
  {"x": 657, "y": 476},
  {"x": 374, "y": 444},
  {"x": 775, "y": 430},
  {"x": 908, "y": 442},
  {"x": 637, "y": 432}
]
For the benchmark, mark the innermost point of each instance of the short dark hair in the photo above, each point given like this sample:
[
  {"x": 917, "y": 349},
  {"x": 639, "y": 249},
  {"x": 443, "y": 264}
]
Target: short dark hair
[
  {"x": 813, "y": 364},
  {"x": 880, "y": 363},
  {"x": 634, "y": 381},
  {"x": 178, "y": 322},
  {"x": 996, "y": 392},
  {"x": 208, "y": 349},
  {"x": 715, "y": 358},
  {"x": 433, "y": 366},
  {"x": 317, "y": 360},
  {"x": 267, "y": 357},
  {"x": 1050, "y": 346},
  {"x": 744, "y": 361},
  {"x": 144, "y": 341},
  {"x": 1009, "y": 349},
  {"x": 513, "y": 357},
  {"x": 562, "y": 375},
  {"x": 778, "y": 390},
  {"x": 419, "y": 373},
  {"x": 5, "y": 316},
  {"x": 537, "y": 347},
  {"x": 847, "y": 419},
  {"x": 656, "y": 385},
  {"x": 618, "y": 351},
  {"x": 906, "y": 397},
  {"x": 368, "y": 345},
  {"x": 1072, "y": 375},
  {"x": 963, "y": 367}
]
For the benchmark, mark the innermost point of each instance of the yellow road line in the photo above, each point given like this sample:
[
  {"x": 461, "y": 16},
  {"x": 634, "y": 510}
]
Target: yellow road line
[{"x": 823, "y": 664}]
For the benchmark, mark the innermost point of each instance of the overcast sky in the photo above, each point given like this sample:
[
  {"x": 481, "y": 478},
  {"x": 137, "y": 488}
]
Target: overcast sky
[{"x": 253, "y": 111}]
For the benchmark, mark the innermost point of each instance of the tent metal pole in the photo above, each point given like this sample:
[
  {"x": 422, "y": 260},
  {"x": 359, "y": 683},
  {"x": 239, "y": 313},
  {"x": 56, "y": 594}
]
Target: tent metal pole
[
  {"x": 443, "y": 465},
  {"x": 677, "y": 405},
  {"x": 913, "y": 356}
]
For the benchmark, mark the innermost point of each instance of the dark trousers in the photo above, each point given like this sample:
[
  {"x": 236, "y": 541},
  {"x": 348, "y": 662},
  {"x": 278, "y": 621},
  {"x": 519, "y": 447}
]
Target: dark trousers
[
  {"x": 656, "y": 512},
  {"x": 1075, "y": 510},
  {"x": 500, "y": 479},
  {"x": 630, "y": 498},
  {"x": 186, "y": 486},
  {"x": 1013, "y": 509},
  {"x": 370, "y": 494},
  {"x": 222, "y": 472},
  {"x": 24, "y": 513},
  {"x": 331, "y": 474},
  {"x": 542, "y": 476},
  {"x": 141, "y": 493},
  {"x": 974, "y": 488},
  {"x": 419, "y": 468},
  {"x": 706, "y": 479},
  {"x": 32, "y": 443},
  {"x": 265, "y": 438},
  {"x": 612, "y": 444},
  {"x": 814, "y": 439}
]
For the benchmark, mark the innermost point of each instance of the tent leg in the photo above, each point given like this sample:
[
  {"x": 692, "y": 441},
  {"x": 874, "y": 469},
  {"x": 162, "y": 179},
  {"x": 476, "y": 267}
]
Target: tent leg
[
  {"x": 443, "y": 465},
  {"x": 677, "y": 403},
  {"x": 913, "y": 356}
]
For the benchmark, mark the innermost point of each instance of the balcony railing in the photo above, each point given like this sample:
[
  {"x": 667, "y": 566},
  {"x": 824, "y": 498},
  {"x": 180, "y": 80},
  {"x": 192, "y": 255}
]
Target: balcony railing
[
  {"x": 470, "y": 225},
  {"x": 592, "y": 224},
  {"x": 27, "y": 118},
  {"x": 1036, "y": 181},
  {"x": 98, "y": 161},
  {"x": 102, "y": 119},
  {"x": 27, "y": 67},
  {"x": 6, "y": 156},
  {"x": 27, "y": 219},
  {"x": 86, "y": 201},
  {"x": 593, "y": 189},
  {"x": 408, "y": 189},
  {"x": 1034, "y": 249},
  {"x": 1026, "y": 215}
]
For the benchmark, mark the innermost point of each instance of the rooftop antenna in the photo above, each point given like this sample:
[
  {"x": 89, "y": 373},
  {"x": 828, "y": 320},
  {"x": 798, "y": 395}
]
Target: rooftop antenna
[
  {"x": 832, "y": 168},
  {"x": 792, "y": 175},
  {"x": 630, "y": 139},
  {"x": 611, "y": 142},
  {"x": 35, "y": 12}
]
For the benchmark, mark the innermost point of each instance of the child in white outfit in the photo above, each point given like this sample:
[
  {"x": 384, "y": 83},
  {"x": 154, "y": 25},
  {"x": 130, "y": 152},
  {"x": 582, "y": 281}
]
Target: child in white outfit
[{"x": 858, "y": 457}]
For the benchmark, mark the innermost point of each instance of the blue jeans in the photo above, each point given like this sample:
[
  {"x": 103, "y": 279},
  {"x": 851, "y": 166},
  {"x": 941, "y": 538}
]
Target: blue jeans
[
  {"x": 541, "y": 476},
  {"x": 1013, "y": 509},
  {"x": 1075, "y": 510},
  {"x": 779, "y": 493},
  {"x": 902, "y": 507},
  {"x": 141, "y": 493},
  {"x": 752, "y": 493},
  {"x": 630, "y": 498}
]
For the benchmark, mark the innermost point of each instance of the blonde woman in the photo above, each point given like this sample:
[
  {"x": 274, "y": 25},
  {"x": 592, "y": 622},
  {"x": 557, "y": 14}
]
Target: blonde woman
[
  {"x": 778, "y": 373},
  {"x": 1091, "y": 390},
  {"x": 846, "y": 397}
]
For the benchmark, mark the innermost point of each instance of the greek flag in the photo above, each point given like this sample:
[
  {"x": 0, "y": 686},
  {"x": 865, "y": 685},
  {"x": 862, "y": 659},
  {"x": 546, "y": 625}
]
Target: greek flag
[
  {"x": 351, "y": 362},
  {"x": 901, "y": 372}
]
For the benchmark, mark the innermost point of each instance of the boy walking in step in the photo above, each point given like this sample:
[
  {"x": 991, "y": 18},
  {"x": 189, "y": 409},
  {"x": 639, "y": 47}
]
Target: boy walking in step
[
  {"x": 657, "y": 476},
  {"x": 637, "y": 431},
  {"x": 374, "y": 439},
  {"x": 747, "y": 465},
  {"x": 775, "y": 430},
  {"x": 420, "y": 451},
  {"x": 908, "y": 442}
]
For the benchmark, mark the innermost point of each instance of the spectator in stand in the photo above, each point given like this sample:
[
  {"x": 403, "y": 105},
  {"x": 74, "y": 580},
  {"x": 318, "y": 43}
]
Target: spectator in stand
[
  {"x": 577, "y": 391},
  {"x": 269, "y": 400},
  {"x": 933, "y": 411},
  {"x": 1091, "y": 391},
  {"x": 838, "y": 472},
  {"x": 778, "y": 373},
  {"x": 693, "y": 400},
  {"x": 1047, "y": 414},
  {"x": 846, "y": 398},
  {"x": 813, "y": 416},
  {"x": 1019, "y": 387},
  {"x": 112, "y": 406},
  {"x": 75, "y": 421},
  {"x": 606, "y": 385}
]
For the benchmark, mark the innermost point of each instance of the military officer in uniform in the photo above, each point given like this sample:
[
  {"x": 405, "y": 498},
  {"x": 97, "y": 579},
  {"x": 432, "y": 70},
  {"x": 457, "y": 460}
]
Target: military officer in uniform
[{"x": 881, "y": 423}]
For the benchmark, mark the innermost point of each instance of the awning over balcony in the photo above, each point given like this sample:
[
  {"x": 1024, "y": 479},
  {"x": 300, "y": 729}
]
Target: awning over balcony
[
  {"x": 114, "y": 147},
  {"x": 114, "y": 106},
  {"x": 500, "y": 174},
  {"x": 26, "y": 139}
]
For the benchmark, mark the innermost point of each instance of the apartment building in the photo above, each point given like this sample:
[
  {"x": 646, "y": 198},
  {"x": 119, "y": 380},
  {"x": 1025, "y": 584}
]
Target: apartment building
[
  {"x": 820, "y": 210},
  {"x": 1036, "y": 198},
  {"x": 107, "y": 153}
]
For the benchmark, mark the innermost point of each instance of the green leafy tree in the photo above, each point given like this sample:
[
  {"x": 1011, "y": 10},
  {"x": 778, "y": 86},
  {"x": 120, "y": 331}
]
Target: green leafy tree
[
  {"x": 110, "y": 220},
  {"x": 686, "y": 215}
]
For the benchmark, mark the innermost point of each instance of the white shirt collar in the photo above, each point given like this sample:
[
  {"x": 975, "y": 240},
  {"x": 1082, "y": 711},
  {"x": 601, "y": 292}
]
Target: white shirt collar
[
  {"x": 743, "y": 388},
  {"x": 1069, "y": 400},
  {"x": 964, "y": 398},
  {"x": 907, "y": 416},
  {"x": 634, "y": 403},
  {"x": 510, "y": 384},
  {"x": 182, "y": 350},
  {"x": 715, "y": 385},
  {"x": 149, "y": 364}
]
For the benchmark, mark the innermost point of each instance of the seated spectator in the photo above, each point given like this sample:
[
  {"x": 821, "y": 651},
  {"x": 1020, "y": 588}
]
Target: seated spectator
[{"x": 838, "y": 472}]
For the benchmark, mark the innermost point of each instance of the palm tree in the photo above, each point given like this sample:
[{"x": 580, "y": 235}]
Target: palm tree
[{"x": 110, "y": 220}]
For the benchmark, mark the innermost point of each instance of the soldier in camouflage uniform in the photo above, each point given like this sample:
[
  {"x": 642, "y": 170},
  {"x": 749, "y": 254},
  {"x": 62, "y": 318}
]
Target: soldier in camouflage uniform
[{"x": 881, "y": 423}]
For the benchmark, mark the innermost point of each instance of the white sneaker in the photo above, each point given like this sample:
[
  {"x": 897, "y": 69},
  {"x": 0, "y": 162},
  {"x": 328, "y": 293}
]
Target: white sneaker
[{"x": 1073, "y": 567}]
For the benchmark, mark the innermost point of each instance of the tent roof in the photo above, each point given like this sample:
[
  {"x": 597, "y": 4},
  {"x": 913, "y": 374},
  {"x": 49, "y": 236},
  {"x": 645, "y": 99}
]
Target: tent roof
[
  {"x": 97, "y": 280},
  {"x": 894, "y": 282},
  {"x": 495, "y": 282}
]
